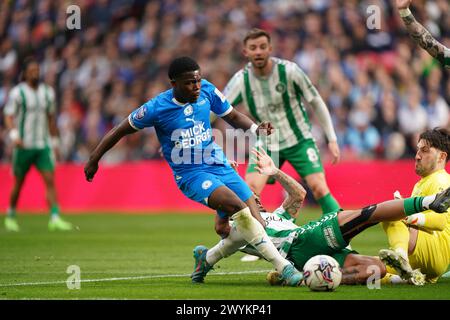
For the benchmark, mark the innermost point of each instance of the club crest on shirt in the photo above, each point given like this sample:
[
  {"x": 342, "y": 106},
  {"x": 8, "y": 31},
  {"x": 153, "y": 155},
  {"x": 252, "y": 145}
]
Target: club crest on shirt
[
  {"x": 188, "y": 110},
  {"x": 206, "y": 184},
  {"x": 280, "y": 87},
  {"x": 140, "y": 113}
]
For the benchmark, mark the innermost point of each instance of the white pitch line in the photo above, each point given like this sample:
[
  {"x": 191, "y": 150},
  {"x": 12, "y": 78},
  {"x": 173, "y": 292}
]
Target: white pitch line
[{"x": 129, "y": 278}]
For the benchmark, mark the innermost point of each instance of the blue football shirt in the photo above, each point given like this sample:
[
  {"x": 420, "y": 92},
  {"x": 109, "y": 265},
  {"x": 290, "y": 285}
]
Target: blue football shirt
[{"x": 184, "y": 129}]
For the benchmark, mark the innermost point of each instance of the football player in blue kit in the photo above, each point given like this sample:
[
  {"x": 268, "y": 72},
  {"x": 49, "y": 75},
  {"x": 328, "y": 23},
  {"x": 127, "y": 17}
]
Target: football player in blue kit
[{"x": 180, "y": 117}]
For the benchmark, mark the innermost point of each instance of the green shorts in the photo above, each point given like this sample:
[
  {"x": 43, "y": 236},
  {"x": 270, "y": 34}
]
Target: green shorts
[
  {"x": 321, "y": 236},
  {"x": 23, "y": 159},
  {"x": 304, "y": 157}
]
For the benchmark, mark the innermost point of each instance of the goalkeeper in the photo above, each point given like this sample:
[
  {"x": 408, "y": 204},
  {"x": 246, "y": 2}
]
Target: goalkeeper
[
  {"x": 420, "y": 245},
  {"x": 328, "y": 235}
]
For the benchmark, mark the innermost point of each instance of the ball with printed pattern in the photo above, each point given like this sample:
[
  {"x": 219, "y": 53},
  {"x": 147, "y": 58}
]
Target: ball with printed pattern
[{"x": 322, "y": 273}]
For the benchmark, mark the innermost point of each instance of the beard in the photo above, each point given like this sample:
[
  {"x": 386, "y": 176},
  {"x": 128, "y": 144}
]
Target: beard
[
  {"x": 34, "y": 81},
  {"x": 260, "y": 63},
  {"x": 424, "y": 171}
]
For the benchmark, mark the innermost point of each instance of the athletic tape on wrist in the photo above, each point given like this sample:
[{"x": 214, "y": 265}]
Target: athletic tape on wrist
[
  {"x": 14, "y": 134},
  {"x": 404, "y": 12}
]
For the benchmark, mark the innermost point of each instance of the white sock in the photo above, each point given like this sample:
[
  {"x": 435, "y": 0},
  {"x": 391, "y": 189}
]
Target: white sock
[
  {"x": 403, "y": 253},
  {"x": 253, "y": 232},
  {"x": 396, "y": 279},
  {"x": 226, "y": 247},
  {"x": 427, "y": 201},
  {"x": 10, "y": 212}
]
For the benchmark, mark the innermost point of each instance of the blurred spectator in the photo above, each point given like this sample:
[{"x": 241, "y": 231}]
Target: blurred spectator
[
  {"x": 386, "y": 121},
  {"x": 412, "y": 115},
  {"x": 378, "y": 85},
  {"x": 437, "y": 110},
  {"x": 362, "y": 137}
]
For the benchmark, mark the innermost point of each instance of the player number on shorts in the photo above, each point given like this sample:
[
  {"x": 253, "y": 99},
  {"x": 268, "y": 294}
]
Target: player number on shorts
[{"x": 312, "y": 155}]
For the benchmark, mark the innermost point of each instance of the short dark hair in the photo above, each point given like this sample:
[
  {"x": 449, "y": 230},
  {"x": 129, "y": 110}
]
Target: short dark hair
[
  {"x": 438, "y": 138},
  {"x": 181, "y": 65},
  {"x": 256, "y": 33},
  {"x": 26, "y": 62}
]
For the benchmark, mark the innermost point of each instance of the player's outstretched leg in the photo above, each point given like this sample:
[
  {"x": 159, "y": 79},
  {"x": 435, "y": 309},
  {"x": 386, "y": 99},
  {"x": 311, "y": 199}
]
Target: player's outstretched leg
[
  {"x": 252, "y": 231},
  {"x": 201, "y": 267},
  {"x": 401, "y": 265}
]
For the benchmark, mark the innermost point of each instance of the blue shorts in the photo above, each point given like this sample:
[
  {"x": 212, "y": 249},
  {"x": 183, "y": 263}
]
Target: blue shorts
[{"x": 199, "y": 184}]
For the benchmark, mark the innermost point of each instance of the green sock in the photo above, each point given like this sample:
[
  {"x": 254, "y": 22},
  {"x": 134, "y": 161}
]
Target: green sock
[
  {"x": 54, "y": 211},
  {"x": 413, "y": 205},
  {"x": 11, "y": 213},
  {"x": 328, "y": 204}
]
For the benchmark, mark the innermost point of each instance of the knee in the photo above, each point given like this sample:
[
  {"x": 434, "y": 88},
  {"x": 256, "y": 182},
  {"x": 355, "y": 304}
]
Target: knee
[
  {"x": 48, "y": 180},
  {"x": 223, "y": 230},
  {"x": 318, "y": 188},
  {"x": 233, "y": 207}
]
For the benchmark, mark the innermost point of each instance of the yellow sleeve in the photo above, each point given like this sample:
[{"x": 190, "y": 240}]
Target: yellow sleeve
[
  {"x": 435, "y": 184},
  {"x": 434, "y": 221}
]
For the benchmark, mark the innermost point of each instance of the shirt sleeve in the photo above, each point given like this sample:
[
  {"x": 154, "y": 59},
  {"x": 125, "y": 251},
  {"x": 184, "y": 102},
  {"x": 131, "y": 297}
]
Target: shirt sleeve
[
  {"x": 219, "y": 103},
  {"x": 447, "y": 58},
  {"x": 281, "y": 211},
  {"x": 50, "y": 99},
  {"x": 144, "y": 116},
  {"x": 233, "y": 89},
  {"x": 308, "y": 90},
  {"x": 13, "y": 102}
]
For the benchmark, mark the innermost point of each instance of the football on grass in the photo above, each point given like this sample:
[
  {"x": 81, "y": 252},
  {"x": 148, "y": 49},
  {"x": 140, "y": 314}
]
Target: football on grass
[{"x": 322, "y": 273}]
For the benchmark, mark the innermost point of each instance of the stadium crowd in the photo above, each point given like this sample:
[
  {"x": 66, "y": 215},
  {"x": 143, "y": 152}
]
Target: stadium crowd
[{"x": 382, "y": 90}]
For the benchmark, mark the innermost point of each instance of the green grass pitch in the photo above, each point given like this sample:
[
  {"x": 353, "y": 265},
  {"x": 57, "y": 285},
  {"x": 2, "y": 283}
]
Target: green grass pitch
[{"x": 150, "y": 257}]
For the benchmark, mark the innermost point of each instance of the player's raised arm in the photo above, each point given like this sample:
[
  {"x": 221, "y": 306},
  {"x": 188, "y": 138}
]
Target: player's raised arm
[
  {"x": 296, "y": 192},
  {"x": 239, "y": 120},
  {"x": 422, "y": 36},
  {"x": 108, "y": 141}
]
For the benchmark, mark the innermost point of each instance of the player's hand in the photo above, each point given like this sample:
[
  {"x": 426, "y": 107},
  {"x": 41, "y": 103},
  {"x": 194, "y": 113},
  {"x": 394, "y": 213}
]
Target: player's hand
[
  {"x": 265, "y": 128},
  {"x": 403, "y": 4},
  {"x": 57, "y": 154},
  {"x": 90, "y": 169},
  {"x": 222, "y": 226},
  {"x": 397, "y": 195},
  {"x": 335, "y": 152},
  {"x": 18, "y": 143},
  {"x": 234, "y": 165},
  {"x": 15, "y": 138},
  {"x": 264, "y": 163}
]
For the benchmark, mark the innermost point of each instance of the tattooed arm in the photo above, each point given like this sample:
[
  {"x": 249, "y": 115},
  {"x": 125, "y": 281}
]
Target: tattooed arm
[
  {"x": 296, "y": 192},
  {"x": 422, "y": 36}
]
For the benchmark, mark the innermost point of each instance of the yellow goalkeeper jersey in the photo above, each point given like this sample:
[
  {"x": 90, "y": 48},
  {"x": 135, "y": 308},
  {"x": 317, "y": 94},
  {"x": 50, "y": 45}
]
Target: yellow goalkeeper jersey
[{"x": 432, "y": 252}]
